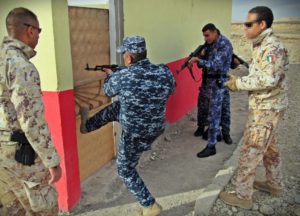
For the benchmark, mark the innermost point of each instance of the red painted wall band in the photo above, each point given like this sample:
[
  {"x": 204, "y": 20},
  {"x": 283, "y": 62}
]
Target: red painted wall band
[
  {"x": 60, "y": 115},
  {"x": 185, "y": 97}
]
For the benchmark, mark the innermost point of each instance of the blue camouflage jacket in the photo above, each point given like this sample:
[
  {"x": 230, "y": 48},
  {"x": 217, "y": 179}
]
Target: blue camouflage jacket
[
  {"x": 143, "y": 89},
  {"x": 219, "y": 57}
]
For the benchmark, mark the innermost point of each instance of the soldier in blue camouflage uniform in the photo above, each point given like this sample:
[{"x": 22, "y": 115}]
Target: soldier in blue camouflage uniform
[
  {"x": 218, "y": 63},
  {"x": 142, "y": 89},
  {"x": 203, "y": 104}
]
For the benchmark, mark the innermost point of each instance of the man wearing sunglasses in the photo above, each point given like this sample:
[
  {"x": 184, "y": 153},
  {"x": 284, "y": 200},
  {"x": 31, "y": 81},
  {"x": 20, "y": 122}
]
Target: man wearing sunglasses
[
  {"x": 268, "y": 101},
  {"x": 29, "y": 163}
]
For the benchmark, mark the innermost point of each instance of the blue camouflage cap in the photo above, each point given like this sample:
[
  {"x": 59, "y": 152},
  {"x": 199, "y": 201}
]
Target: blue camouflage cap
[{"x": 133, "y": 44}]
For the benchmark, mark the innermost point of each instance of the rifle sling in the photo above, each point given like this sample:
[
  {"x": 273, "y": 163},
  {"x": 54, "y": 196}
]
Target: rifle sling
[{"x": 192, "y": 74}]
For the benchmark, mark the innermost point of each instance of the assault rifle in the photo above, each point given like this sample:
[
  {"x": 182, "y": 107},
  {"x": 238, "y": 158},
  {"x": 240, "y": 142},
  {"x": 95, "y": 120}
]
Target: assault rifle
[
  {"x": 195, "y": 53},
  {"x": 242, "y": 61},
  {"x": 112, "y": 67}
]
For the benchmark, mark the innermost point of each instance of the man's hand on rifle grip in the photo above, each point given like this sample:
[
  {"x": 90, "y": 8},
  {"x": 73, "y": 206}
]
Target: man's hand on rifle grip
[
  {"x": 193, "y": 59},
  {"x": 107, "y": 71}
]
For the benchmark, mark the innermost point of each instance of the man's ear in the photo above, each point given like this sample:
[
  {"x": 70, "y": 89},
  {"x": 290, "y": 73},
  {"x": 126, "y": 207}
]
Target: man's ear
[
  {"x": 29, "y": 32},
  {"x": 128, "y": 58},
  {"x": 263, "y": 25}
]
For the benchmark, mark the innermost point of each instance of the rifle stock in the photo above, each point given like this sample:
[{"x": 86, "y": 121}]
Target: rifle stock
[{"x": 242, "y": 61}]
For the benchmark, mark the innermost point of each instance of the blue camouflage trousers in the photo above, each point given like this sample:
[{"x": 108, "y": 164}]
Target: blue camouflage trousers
[
  {"x": 130, "y": 149},
  {"x": 225, "y": 113},
  {"x": 210, "y": 102},
  {"x": 214, "y": 112},
  {"x": 203, "y": 107}
]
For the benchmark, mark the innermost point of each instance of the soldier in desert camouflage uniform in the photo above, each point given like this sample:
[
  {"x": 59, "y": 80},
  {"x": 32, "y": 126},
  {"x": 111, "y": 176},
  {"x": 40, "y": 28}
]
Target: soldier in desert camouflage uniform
[
  {"x": 268, "y": 101},
  {"x": 143, "y": 89},
  {"x": 26, "y": 190}
]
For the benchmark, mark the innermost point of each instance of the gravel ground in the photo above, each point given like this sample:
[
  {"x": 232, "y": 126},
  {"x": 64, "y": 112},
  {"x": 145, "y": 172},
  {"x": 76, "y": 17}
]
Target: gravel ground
[{"x": 289, "y": 135}]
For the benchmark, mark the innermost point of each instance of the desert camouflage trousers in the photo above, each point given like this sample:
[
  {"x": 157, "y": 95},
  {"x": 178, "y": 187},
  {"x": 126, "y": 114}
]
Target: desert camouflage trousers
[
  {"x": 24, "y": 190},
  {"x": 260, "y": 145}
]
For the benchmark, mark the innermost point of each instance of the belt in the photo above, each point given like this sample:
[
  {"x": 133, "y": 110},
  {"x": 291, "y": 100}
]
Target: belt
[{"x": 216, "y": 76}]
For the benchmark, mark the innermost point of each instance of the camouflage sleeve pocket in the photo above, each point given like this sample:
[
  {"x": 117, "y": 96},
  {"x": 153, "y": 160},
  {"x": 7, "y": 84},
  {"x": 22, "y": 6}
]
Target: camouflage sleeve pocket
[
  {"x": 8, "y": 149},
  {"x": 41, "y": 197}
]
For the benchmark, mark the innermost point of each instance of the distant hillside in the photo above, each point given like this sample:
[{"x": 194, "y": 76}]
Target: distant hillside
[
  {"x": 288, "y": 25},
  {"x": 288, "y": 19}
]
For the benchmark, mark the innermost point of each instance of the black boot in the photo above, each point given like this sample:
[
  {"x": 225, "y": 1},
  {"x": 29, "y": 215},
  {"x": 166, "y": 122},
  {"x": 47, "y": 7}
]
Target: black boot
[
  {"x": 206, "y": 152},
  {"x": 205, "y": 136},
  {"x": 199, "y": 131},
  {"x": 227, "y": 139}
]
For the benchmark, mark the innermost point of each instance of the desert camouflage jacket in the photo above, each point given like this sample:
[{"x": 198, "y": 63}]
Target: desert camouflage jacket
[
  {"x": 21, "y": 105},
  {"x": 266, "y": 81}
]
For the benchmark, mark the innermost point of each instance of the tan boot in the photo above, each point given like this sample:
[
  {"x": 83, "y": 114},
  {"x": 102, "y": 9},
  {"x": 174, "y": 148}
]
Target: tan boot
[
  {"x": 232, "y": 199},
  {"x": 266, "y": 187},
  {"x": 153, "y": 210}
]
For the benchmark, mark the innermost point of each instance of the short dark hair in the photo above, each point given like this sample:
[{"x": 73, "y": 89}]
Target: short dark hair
[
  {"x": 138, "y": 56},
  {"x": 17, "y": 17},
  {"x": 210, "y": 27},
  {"x": 263, "y": 13}
]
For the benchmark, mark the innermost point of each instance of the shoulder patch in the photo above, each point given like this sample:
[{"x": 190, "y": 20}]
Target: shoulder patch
[{"x": 271, "y": 58}]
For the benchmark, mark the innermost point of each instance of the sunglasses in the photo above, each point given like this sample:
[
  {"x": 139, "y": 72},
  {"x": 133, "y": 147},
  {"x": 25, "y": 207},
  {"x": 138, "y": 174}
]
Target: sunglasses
[
  {"x": 37, "y": 28},
  {"x": 250, "y": 24}
]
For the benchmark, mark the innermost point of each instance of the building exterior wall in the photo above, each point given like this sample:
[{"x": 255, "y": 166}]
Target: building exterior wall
[
  {"x": 172, "y": 28},
  {"x": 53, "y": 60}
]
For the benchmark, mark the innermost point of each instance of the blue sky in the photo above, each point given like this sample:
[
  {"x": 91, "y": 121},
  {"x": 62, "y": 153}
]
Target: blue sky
[
  {"x": 280, "y": 8},
  {"x": 240, "y": 8}
]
